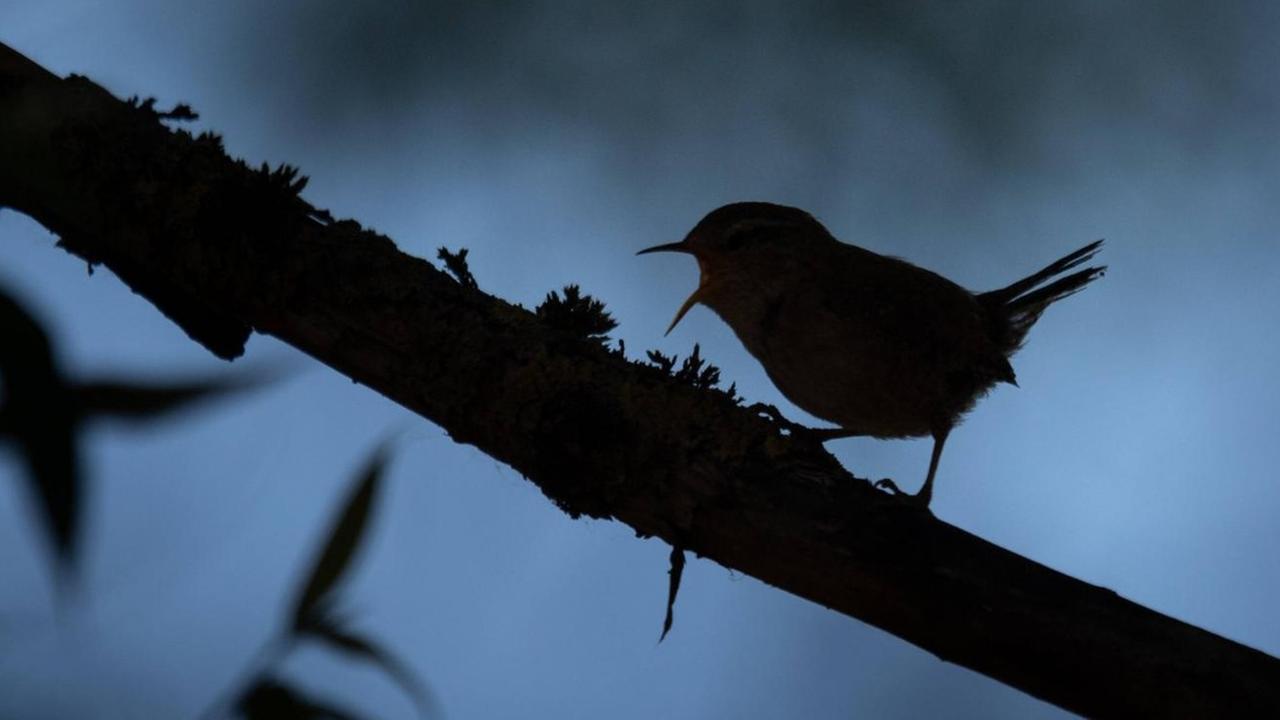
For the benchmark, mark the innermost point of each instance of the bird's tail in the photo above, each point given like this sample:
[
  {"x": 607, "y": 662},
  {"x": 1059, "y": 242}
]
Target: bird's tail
[{"x": 1015, "y": 308}]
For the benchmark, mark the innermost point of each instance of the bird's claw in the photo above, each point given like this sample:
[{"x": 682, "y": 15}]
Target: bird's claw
[
  {"x": 776, "y": 416},
  {"x": 918, "y": 500},
  {"x": 890, "y": 486},
  {"x": 803, "y": 433}
]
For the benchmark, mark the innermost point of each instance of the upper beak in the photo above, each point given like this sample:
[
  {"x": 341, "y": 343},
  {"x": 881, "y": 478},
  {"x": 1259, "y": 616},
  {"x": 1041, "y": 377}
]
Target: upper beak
[
  {"x": 695, "y": 296},
  {"x": 669, "y": 247}
]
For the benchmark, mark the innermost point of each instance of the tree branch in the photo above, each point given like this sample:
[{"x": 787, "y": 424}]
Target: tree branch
[{"x": 221, "y": 248}]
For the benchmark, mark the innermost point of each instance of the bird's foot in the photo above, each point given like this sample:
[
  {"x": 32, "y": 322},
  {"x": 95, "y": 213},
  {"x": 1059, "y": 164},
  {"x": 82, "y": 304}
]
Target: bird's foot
[
  {"x": 776, "y": 416},
  {"x": 889, "y": 486},
  {"x": 920, "y": 499},
  {"x": 817, "y": 436}
]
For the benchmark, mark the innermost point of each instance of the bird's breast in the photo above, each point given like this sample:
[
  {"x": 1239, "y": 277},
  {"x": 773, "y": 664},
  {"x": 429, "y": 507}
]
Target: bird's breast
[{"x": 847, "y": 362}]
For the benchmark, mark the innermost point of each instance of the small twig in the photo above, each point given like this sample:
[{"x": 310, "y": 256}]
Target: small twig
[{"x": 673, "y": 588}]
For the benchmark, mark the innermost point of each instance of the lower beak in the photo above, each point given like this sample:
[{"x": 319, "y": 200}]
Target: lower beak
[{"x": 694, "y": 298}]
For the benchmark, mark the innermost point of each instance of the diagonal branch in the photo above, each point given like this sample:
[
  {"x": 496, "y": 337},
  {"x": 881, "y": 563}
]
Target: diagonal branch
[{"x": 223, "y": 249}]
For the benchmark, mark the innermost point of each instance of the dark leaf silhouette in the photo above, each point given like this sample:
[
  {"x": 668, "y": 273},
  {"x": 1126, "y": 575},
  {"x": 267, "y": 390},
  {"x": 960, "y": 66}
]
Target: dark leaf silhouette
[
  {"x": 343, "y": 542},
  {"x": 330, "y": 629},
  {"x": 139, "y": 401},
  {"x": 36, "y": 413},
  {"x": 269, "y": 699},
  {"x": 40, "y": 411}
]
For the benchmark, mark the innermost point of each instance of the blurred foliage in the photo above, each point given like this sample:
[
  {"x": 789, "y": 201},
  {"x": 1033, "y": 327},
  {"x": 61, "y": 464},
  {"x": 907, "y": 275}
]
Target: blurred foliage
[
  {"x": 315, "y": 616},
  {"x": 344, "y": 540},
  {"x": 38, "y": 415},
  {"x": 42, "y": 412},
  {"x": 269, "y": 699}
]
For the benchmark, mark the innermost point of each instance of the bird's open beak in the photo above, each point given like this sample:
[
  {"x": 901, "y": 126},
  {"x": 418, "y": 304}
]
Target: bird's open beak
[{"x": 696, "y": 296}]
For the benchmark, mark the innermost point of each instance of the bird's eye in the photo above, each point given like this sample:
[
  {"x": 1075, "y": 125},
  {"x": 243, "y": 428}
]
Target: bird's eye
[
  {"x": 734, "y": 239},
  {"x": 748, "y": 233}
]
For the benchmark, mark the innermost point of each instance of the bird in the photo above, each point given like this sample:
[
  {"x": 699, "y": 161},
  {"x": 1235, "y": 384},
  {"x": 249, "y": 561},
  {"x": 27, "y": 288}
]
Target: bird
[{"x": 871, "y": 343}]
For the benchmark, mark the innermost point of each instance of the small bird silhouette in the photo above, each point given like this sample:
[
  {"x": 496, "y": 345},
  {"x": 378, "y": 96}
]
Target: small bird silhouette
[{"x": 874, "y": 344}]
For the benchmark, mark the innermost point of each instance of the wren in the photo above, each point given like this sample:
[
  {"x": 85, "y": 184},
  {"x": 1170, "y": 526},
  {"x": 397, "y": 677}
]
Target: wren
[{"x": 871, "y": 343}]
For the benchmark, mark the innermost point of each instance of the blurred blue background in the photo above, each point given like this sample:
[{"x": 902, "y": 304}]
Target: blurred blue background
[{"x": 978, "y": 139}]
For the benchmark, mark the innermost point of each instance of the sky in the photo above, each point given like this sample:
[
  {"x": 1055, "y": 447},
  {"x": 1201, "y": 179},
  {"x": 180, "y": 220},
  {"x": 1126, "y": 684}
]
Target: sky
[{"x": 981, "y": 140}]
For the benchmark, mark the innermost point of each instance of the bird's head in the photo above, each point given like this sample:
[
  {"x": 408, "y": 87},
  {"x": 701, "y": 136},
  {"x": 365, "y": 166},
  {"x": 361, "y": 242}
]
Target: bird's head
[{"x": 741, "y": 242}]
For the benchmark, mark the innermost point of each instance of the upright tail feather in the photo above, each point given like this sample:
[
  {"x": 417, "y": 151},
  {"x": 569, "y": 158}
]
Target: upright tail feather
[
  {"x": 1006, "y": 294},
  {"x": 1015, "y": 308}
]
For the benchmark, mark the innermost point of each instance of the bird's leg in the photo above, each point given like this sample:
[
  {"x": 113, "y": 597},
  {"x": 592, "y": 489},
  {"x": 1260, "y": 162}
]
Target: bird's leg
[
  {"x": 926, "y": 491},
  {"x": 923, "y": 497}
]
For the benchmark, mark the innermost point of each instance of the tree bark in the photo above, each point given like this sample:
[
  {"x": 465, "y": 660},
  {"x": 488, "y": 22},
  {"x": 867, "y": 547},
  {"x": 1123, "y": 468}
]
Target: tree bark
[{"x": 223, "y": 250}]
